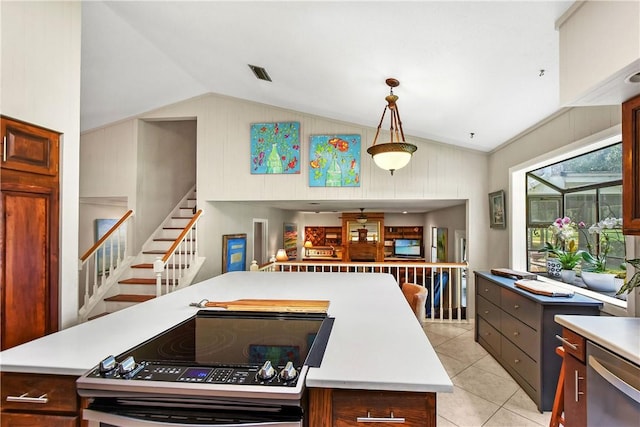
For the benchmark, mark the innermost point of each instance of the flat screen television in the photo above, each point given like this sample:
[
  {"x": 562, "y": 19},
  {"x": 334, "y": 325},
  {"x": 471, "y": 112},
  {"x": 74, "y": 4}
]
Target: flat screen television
[{"x": 407, "y": 247}]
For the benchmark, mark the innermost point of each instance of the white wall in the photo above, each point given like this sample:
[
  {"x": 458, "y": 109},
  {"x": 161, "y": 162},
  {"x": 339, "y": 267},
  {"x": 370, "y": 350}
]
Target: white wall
[
  {"x": 166, "y": 171},
  {"x": 40, "y": 84},
  {"x": 436, "y": 172},
  {"x": 567, "y": 127},
  {"x": 237, "y": 218}
]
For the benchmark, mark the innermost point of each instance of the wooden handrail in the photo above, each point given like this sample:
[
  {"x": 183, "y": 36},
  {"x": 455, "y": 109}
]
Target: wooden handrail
[
  {"x": 106, "y": 236},
  {"x": 173, "y": 247}
]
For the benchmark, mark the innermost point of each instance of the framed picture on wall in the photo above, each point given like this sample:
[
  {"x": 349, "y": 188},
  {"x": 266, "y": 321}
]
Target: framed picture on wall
[
  {"x": 234, "y": 252},
  {"x": 497, "y": 210},
  {"x": 290, "y": 240}
]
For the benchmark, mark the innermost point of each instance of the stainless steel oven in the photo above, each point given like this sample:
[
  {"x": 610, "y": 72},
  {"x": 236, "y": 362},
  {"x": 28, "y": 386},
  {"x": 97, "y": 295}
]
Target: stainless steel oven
[
  {"x": 613, "y": 389},
  {"x": 218, "y": 368}
]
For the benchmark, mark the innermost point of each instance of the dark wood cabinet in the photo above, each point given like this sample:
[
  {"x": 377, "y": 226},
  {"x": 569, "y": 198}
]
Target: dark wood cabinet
[
  {"x": 344, "y": 408},
  {"x": 518, "y": 329},
  {"x": 39, "y": 400},
  {"x": 29, "y": 235},
  {"x": 575, "y": 379},
  {"x": 631, "y": 166}
]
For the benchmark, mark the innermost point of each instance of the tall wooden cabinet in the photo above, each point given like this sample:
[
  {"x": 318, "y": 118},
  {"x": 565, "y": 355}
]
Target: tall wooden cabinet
[
  {"x": 29, "y": 231},
  {"x": 631, "y": 166}
]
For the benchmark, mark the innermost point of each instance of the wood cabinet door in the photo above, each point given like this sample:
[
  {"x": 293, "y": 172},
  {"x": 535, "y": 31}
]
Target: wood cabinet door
[
  {"x": 29, "y": 248},
  {"x": 575, "y": 392},
  {"x": 38, "y": 420},
  {"x": 631, "y": 166},
  {"x": 29, "y": 148}
]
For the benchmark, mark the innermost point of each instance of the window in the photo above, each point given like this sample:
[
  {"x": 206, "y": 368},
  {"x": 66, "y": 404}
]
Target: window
[{"x": 586, "y": 188}]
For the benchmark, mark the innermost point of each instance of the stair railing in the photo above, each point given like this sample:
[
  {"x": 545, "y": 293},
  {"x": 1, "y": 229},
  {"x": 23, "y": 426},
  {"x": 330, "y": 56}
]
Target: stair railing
[
  {"x": 102, "y": 261},
  {"x": 179, "y": 257}
]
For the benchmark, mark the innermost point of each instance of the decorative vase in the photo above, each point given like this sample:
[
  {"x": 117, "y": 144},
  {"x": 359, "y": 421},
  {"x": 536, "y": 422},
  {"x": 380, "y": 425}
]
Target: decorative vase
[
  {"x": 568, "y": 276},
  {"x": 554, "y": 268},
  {"x": 599, "y": 282}
]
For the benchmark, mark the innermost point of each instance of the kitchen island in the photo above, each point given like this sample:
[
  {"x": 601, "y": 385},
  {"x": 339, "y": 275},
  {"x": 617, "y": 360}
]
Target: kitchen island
[{"x": 376, "y": 344}]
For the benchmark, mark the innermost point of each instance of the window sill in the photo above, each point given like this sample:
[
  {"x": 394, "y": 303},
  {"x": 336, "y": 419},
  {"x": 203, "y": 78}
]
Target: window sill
[{"x": 612, "y": 306}]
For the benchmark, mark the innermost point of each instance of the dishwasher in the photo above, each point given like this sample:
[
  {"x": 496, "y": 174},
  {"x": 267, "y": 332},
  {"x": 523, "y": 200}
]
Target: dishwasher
[{"x": 613, "y": 384}]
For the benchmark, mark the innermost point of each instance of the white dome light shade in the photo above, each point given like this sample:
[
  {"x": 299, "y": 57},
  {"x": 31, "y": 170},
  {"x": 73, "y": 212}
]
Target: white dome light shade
[
  {"x": 392, "y": 155},
  {"x": 396, "y": 153}
]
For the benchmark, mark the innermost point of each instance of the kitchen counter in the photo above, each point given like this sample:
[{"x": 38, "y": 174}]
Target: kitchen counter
[
  {"x": 376, "y": 342},
  {"x": 620, "y": 335}
]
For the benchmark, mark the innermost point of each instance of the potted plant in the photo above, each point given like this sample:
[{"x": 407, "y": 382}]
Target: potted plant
[
  {"x": 565, "y": 250},
  {"x": 595, "y": 274},
  {"x": 634, "y": 282}
]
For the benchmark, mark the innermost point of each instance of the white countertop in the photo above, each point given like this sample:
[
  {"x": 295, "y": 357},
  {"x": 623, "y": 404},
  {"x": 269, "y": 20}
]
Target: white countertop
[
  {"x": 376, "y": 341},
  {"x": 620, "y": 335}
]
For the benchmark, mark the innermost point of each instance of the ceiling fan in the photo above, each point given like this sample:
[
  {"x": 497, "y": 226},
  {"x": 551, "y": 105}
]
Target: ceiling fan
[{"x": 362, "y": 218}]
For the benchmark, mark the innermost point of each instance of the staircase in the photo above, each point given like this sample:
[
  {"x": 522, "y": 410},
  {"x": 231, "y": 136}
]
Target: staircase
[{"x": 137, "y": 283}]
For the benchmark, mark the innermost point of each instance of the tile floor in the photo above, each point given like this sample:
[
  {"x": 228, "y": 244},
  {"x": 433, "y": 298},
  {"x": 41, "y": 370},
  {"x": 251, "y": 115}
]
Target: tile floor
[{"x": 484, "y": 393}]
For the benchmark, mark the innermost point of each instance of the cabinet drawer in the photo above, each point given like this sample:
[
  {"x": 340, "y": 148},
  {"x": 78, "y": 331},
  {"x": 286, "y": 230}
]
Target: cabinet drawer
[
  {"x": 35, "y": 420},
  {"x": 35, "y": 392},
  {"x": 349, "y": 406},
  {"x": 489, "y": 312},
  {"x": 521, "y": 308},
  {"x": 576, "y": 344},
  {"x": 488, "y": 290},
  {"x": 518, "y": 361},
  {"x": 29, "y": 148},
  {"x": 521, "y": 335},
  {"x": 489, "y": 335}
]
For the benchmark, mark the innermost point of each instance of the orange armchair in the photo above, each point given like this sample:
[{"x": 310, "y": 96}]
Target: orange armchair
[{"x": 416, "y": 296}]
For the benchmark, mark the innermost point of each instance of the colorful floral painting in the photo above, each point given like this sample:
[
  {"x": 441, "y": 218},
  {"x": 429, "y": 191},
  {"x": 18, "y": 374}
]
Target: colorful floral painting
[
  {"x": 334, "y": 161},
  {"x": 275, "y": 148}
]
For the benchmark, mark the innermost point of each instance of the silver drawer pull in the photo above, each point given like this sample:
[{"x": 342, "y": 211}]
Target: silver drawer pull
[
  {"x": 516, "y": 306},
  {"x": 370, "y": 419},
  {"x": 486, "y": 289},
  {"x": 516, "y": 360},
  {"x": 564, "y": 341},
  {"x": 486, "y": 312},
  {"x": 24, "y": 398},
  {"x": 516, "y": 333}
]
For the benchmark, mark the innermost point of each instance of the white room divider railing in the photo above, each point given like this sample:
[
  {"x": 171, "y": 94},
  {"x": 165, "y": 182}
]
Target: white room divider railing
[
  {"x": 446, "y": 282},
  {"x": 99, "y": 265}
]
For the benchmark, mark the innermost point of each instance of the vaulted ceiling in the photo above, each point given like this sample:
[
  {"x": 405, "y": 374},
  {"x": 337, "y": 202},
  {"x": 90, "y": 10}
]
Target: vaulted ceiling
[{"x": 470, "y": 72}]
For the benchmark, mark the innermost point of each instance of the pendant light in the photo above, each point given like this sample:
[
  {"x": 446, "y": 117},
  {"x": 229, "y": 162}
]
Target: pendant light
[{"x": 396, "y": 153}]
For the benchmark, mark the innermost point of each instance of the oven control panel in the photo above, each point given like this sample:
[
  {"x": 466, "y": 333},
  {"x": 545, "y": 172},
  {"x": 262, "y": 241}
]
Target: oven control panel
[{"x": 128, "y": 369}]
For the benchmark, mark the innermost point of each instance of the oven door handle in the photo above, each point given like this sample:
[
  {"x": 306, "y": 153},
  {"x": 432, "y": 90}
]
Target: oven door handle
[
  {"x": 614, "y": 380},
  {"x": 119, "y": 420}
]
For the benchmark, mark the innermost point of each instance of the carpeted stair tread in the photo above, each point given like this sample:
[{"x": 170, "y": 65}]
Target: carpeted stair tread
[{"x": 130, "y": 298}]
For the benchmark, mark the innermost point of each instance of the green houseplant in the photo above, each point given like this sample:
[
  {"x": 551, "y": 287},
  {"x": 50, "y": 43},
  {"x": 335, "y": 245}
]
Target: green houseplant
[
  {"x": 634, "y": 282},
  {"x": 563, "y": 248}
]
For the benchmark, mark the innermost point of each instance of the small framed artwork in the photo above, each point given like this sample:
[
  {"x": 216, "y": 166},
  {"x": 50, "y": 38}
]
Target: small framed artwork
[
  {"x": 334, "y": 161},
  {"x": 275, "y": 148},
  {"x": 104, "y": 258},
  {"x": 234, "y": 252},
  {"x": 290, "y": 239},
  {"x": 497, "y": 210}
]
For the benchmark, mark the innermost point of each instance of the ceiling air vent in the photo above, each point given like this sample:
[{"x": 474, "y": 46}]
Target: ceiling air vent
[{"x": 260, "y": 72}]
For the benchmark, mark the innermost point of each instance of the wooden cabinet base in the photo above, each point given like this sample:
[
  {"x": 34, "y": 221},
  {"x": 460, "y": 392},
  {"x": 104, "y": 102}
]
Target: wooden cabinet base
[
  {"x": 38, "y": 400},
  {"x": 38, "y": 420},
  {"x": 342, "y": 408}
]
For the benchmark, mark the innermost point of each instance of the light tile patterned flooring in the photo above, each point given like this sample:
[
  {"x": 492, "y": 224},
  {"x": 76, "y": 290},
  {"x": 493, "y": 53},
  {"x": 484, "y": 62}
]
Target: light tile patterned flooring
[{"x": 484, "y": 393}]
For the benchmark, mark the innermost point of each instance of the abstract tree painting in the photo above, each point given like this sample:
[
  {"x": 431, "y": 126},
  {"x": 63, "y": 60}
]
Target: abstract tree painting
[
  {"x": 275, "y": 148},
  {"x": 334, "y": 161}
]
